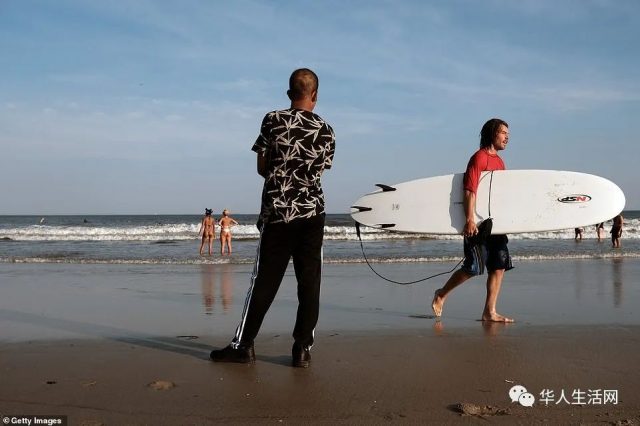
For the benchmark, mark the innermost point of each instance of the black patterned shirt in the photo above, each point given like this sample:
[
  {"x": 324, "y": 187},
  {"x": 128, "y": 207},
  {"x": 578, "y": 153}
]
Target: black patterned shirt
[{"x": 298, "y": 146}]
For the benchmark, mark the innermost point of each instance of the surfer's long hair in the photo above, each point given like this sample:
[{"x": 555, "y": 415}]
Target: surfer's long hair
[{"x": 490, "y": 131}]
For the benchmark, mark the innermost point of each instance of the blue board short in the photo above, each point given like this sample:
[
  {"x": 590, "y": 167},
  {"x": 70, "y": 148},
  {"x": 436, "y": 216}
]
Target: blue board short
[{"x": 492, "y": 253}]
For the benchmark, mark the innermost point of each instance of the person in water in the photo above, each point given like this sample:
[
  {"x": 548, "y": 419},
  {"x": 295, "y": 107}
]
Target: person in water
[
  {"x": 600, "y": 231},
  {"x": 616, "y": 231},
  {"x": 226, "y": 222},
  {"x": 208, "y": 230}
]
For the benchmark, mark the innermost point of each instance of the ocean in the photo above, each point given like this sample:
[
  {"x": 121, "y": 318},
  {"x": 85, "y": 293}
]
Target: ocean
[{"x": 173, "y": 239}]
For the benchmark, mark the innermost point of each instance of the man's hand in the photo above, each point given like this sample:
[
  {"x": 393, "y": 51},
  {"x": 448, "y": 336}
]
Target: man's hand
[{"x": 470, "y": 228}]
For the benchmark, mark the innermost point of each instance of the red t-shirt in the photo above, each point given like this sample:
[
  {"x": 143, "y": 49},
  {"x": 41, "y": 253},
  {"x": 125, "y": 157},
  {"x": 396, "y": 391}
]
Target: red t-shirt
[{"x": 480, "y": 161}]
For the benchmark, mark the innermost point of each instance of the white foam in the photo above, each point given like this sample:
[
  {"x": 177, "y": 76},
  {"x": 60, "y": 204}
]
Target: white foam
[{"x": 189, "y": 231}]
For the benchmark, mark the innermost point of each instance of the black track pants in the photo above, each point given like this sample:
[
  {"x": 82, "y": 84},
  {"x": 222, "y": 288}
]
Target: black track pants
[{"x": 301, "y": 240}]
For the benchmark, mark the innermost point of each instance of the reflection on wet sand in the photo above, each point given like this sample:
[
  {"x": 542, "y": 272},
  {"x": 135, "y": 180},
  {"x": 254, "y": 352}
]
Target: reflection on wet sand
[
  {"x": 617, "y": 281},
  {"x": 490, "y": 328},
  {"x": 493, "y": 329},
  {"x": 223, "y": 273}
]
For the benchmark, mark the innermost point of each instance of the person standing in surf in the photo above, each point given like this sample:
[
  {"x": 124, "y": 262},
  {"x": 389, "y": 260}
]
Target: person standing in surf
[
  {"x": 616, "y": 231},
  {"x": 208, "y": 230},
  {"x": 491, "y": 252},
  {"x": 600, "y": 231},
  {"x": 226, "y": 222},
  {"x": 294, "y": 148}
]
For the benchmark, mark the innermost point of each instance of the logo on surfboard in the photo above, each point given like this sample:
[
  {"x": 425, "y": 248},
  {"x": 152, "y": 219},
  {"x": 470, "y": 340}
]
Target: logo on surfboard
[{"x": 575, "y": 198}]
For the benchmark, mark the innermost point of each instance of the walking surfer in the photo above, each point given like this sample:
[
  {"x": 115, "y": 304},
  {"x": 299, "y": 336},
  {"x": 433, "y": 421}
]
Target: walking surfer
[{"x": 491, "y": 252}]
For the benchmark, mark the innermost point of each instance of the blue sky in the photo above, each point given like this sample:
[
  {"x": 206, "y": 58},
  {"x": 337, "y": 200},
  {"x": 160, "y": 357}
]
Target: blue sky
[{"x": 144, "y": 107}]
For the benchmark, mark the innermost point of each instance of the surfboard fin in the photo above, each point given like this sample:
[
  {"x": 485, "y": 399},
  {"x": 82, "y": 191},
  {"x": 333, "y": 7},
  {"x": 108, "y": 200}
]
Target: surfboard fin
[
  {"x": 386, "y": 225},
  {"x": 362, "y": 209},
  {"x": 385, "y": 188}
]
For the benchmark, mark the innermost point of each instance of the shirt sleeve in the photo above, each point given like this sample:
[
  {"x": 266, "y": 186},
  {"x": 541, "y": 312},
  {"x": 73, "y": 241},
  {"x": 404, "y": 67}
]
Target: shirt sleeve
[
  {"x": 262, "y": 144},
  {"x": 330, "y": 148},
  {"x": 472, "y": 174}
]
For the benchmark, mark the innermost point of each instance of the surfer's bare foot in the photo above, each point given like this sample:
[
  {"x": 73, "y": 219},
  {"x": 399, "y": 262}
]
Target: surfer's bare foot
[
  {"x": 437, "y": 304},
  {"x": 495, "y": 317}
]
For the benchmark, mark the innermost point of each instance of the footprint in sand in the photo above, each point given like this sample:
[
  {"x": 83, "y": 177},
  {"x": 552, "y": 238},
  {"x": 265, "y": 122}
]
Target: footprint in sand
[{"x": 161, "y": 385}]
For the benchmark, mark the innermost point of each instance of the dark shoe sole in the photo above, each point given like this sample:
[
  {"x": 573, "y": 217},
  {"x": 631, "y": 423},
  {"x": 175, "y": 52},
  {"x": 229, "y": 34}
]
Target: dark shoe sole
[
  {"x": 225, "y": 355},
  {"x": 233, "y": 360}
]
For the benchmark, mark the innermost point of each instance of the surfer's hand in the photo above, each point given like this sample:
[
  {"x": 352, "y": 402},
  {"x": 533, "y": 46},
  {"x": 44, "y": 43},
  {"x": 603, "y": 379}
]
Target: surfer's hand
[{"x": 470, "y": 229}]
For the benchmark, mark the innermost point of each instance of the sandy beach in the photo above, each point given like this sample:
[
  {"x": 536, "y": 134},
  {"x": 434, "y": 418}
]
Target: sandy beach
[{"x": 123, "y": 344}]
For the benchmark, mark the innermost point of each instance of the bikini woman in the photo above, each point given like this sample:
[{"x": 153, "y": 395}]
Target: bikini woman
[{"x": 226, "y": 222}]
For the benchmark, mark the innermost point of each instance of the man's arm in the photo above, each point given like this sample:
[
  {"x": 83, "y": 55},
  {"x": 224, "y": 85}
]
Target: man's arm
[
  {"x": 262, "y": 165},
  {"x": 470, "y": 227}
]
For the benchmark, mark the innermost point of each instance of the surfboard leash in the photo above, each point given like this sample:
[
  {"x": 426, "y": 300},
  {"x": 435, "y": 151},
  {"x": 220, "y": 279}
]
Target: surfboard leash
[
  {"x": 393, "y": 281},
  {"x": 431, "y": 276}
]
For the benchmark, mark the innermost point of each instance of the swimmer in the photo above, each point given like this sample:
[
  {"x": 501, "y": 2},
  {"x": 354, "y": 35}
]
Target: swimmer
[{"x": 226, "y": 222}]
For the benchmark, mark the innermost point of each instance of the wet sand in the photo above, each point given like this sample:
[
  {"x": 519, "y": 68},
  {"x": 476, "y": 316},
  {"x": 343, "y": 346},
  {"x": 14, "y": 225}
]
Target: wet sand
[
  {"x": 89, "y": 342},
  {"x": 364, "y": 378}
]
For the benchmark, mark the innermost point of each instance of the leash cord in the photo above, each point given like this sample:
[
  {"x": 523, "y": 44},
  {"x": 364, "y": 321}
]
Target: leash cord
[
  {"x": 393, "y": 281},
  {"x": 421, "y": 279}
]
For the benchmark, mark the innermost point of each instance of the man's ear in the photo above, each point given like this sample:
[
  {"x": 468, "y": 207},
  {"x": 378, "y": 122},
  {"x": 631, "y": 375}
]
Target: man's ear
[
  {"x": 314, "y": 96},
  {"x": 289, "y": 95}
]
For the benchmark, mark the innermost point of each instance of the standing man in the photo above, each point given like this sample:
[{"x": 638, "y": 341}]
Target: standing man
[
  {"x": 493, "y": 252},
  {"x": 294, "y": 148},
  {"x": 616, "y": 230}
]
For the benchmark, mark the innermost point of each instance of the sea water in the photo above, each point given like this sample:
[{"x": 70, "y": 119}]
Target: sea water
[
  {"x": 173, "y": 239},
  {"x": 100, "y": 276}
]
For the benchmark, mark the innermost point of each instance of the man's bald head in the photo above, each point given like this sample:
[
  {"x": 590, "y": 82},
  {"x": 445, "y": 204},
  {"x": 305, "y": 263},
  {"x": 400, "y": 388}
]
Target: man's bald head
[{"x": 303, "y": 83}]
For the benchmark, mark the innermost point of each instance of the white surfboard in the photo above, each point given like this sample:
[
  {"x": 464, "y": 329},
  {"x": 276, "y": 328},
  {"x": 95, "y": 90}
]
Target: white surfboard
[{"x": 517, "y": 200}]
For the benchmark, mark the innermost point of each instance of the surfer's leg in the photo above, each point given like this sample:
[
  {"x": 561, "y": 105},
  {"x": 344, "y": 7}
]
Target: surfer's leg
[
  {"x": 494, "y": 282},
  {"x": 441, "y": 294},
  {"x": 473, "y": 265},
  {"x": 498, "y": 261}
]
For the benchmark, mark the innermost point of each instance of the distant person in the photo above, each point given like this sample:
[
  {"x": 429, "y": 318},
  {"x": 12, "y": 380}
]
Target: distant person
[
  {"x": 616, "y": 230},
  {"x": 226, "y": 223},
  {"x": 294, "y": 148},
  {"x": 493, "y": 251},
  {"x": 208, "y": 230},
  {"x": 578, "y": 232},
  {"x": 600, "y": 231}
]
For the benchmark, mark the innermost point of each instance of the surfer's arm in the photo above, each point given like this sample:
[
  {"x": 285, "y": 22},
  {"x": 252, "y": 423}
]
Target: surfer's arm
[
  {"x": 470, "y": 227},
  {"x": 262, "y": 165}
]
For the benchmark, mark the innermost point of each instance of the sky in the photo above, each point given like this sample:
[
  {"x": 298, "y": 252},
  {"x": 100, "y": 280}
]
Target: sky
[{"x": 151, "y": 107}]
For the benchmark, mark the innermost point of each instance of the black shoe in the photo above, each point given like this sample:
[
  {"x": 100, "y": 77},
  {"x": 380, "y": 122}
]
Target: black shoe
[
  {"x": 300, "y": 356},
  {"x": 241, "y": 355}
]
